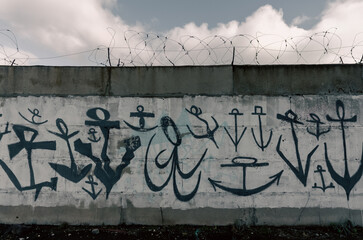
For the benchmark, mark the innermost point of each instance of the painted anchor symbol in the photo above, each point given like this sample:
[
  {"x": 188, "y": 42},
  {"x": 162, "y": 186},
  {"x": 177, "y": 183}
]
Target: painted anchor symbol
[
  {"x": 141, "y": 115},
  {"x": 259, "y": 112},
  {"x": 315, "y": 119},
  {"x": 103, "y": 171},
  {"x": 70, "y": 173},
  {"x": 235, "y": 141},
  {"x": 244, "y": 191},
  {"x": 291, "y": 117},
  {"x": 35, "y": 113},
  {"x": 320, "y": 170},
  {"x": 195, "y": 111},
  {"x": 348, "y": 181},
  {"x": 30, "y": 145},
  {"x": 93, "y": 138},
  {"x": 93, "y": 194}
]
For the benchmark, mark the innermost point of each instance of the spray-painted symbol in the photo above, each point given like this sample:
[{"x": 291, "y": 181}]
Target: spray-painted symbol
[
  {"x": 348, "y": 181},
  {"x": 259, "y": 112},
  {"x": 141, "y": 115},
  {"x": 103, "y": 171},
  {"x": 6, "y": 129},
  {"x": 35, "y": 114},
  {"x": 195, "y": 111},
  {"x": 5, "y": 132},
  {"x": 236, "y": 139},
  {"x": 320, "y": 170},
  {"x": 30, "y": 145},
  {"x": 92, "y": 132},
  {"x": 70, "y": 173},
  {"x": 167, "y": 122},
  {"x": 244, "y": 191},
  {"x": 93, "y": 194},
  {"x": 315, "y": 119},
  {"x": 302, "y": 175}
]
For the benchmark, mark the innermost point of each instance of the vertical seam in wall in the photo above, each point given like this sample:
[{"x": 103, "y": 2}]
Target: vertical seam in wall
[
  {"x": 108, "y": 83},
  {"x": 233, "y": 81}
]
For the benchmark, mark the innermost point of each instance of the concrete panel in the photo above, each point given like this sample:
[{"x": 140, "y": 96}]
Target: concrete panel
[
  {"x": 298, "y": 79},
  {"x": 190, "y": 160},
  {"x": 168, "y": 216},
  {"x": 59, "y": 81},
  {"x": 271, "y": 80},
  {"x": 172, "y": 81}
]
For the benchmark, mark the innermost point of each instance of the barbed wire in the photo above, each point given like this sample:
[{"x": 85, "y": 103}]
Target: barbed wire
[
  {"x": 150, "y": 49},
  {"x": 9, "y": 49}
]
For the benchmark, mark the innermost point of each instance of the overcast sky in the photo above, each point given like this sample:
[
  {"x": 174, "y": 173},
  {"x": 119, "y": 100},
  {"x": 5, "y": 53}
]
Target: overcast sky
[{"x": 42, "y": 31}]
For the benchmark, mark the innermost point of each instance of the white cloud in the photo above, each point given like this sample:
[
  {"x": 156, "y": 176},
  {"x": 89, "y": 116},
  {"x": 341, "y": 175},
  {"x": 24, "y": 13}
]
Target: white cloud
[
  {"x": 299, "y": 20},
  {"x": 346, "y": 16},
  {"x": 61, "y": 27}
]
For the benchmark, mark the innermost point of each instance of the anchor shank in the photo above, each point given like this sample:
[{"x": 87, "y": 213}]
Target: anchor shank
[
  {"x": 32, "y": 180},
  {"x": 322, "y": 180},
  {"x": 261, "y": 137},
  {"x": 244, "y": 178},
  {"x": 296, "y": 147},
  {"x": 346, "y": 173},
  {"x": 73, "y": 164},
  {"x": 236, "y": 130},
  {"x": 93, "y": 187}
]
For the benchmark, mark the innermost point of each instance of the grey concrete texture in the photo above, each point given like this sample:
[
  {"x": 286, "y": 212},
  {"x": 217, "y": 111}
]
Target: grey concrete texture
[
  {"x": 298, "y": 79},
  {"x": 271, "y": 80},
  {"x": 61, "y": 81},
  {"x": 168, "y": 216}
]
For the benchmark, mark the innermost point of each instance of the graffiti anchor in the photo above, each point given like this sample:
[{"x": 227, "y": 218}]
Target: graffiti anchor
[
  {"x": 28, "y": 145},
  {"x": 93, "y": 194},
  {"x": 244, "y": 191},
  {"x": 259, "y": 113},
  {"x": 347, "y": 181},
  {"x": 103, "y": 171},
  {"x": 92, "y": 132},
  {"x": 320, "y": 170},
  {"x": 291, "y": 117},
  {"x": 236, "y": 139},
  {"x": 141, "y": 115},
  {"x": 70, "y": 173},
  {"x": 315, "y": 119}
]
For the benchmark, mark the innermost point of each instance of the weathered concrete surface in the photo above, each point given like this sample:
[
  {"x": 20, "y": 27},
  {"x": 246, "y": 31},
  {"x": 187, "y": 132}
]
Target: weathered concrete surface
[
  {"x": 166, "y": 81},
  {"x": 234, "y": 178},
  {"x": 273, "y": 80},
  {"x": 57, "y": 81},
  {"x": 301, "y": 108},
  {"x": 168, "y": 216},
  {"x": 298, "y": 79}
]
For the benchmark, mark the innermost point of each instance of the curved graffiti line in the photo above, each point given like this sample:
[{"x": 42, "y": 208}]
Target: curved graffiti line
[{"x": 174, "y": 161}]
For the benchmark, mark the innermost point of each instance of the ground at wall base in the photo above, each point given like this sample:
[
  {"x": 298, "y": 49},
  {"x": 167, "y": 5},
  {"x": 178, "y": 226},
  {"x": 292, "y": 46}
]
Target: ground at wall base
[{"x": 65, "y": 231}]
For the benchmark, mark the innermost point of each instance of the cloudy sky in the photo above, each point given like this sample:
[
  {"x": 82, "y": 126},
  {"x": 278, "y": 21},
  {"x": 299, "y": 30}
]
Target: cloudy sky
[{"x": 164, "y": 32}]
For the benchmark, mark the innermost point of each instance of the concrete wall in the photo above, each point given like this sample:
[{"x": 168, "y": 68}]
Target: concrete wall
[
  {"x": 160, "y": 151},
  {"x": 273, "y": 80}
]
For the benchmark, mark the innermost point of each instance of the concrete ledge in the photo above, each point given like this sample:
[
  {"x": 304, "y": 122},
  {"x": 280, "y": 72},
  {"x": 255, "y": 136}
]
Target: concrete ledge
[
  {"x": 172, "y": 81},
  {"x": 167, "y": 216},
  {"x": 298, "y": 79},
  {"x": 57, "y": 81},
  {"x": 271, "y": 80}
]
